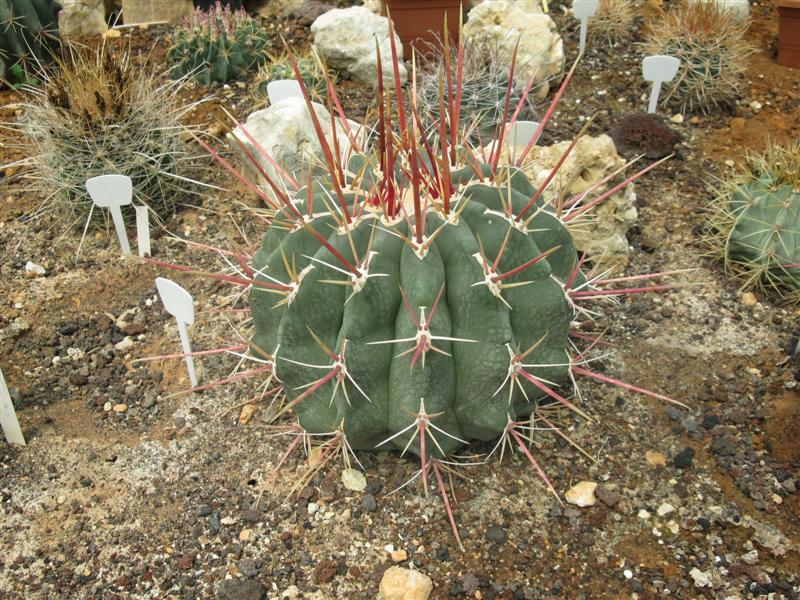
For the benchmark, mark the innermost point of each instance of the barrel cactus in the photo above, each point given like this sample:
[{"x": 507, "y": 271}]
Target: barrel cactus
[
  {"x": 417, "y": 294},
  {"x": 95, "y": 114},
  {"x": 754, "y": 222},
  {"x": 710, "y": 43},
  {"x": 28, "y": 33},
  {"x": 218, "y": 45}
]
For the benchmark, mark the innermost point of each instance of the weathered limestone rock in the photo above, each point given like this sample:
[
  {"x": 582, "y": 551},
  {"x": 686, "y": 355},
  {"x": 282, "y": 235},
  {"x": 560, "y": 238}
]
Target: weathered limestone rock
[
  {"x": 504, "y": 22},
  {"x": 603, "y": 234}
]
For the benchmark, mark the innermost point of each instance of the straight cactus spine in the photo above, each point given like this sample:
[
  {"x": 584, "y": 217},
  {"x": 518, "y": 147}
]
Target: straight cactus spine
[
  {"x": 28, "y": 34},
  {"x": 754, "y": 221},
  {"x": 419, "y": 296},
  {"x": 218, "y": 45}
]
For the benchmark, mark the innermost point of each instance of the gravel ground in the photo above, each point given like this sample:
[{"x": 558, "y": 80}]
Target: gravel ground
[{"x": 129, "y": 488}]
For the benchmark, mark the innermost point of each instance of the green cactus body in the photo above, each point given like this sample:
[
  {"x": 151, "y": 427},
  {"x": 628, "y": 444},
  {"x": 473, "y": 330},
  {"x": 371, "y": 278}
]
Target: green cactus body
[
  {"x": 468, "y": 377},
  {"x": 764, "y": 237},
  {"x": 218, "y": 46},
  {"x": 28, "y": 32}
]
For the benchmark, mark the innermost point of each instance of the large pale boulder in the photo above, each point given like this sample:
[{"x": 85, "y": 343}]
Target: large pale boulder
[
  {"x": 602, "y": 235},
  {"x": 503, "y": 22},
  {"x": 345, "y": 37},
  {"x": 286, "y": 131},
  {"x": 82, "y": 17}
]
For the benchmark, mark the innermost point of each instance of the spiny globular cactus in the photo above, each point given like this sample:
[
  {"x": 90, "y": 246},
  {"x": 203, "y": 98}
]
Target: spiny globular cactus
[
  {"x": 418, "y": 295},
  {"x": 96, "y": 113},
  {"x": 218, "y": 45},
  {"x": 280, "y": 67},
  {"x": 755, "y": 219},
  {"x": 710, "y": 44},
  {"x": 28, "y": 34},
  {"x": 484, "y": 88}
]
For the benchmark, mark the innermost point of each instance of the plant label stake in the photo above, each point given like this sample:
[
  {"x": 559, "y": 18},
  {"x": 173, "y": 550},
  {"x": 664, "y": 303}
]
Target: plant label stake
[
  {"x": 143, "y": 230},
  {"x": 281, "y": 89},
  {"x": 113, "y": 192},
  {"x": 583, "y": 9},
  {"x": 658, "y": 69},
  {"x": 8, "y": 418},
  {"x": 179, "y": 304},
  {"x": 521, "y": 133}
]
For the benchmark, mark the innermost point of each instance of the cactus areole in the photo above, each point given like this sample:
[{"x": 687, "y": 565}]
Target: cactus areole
[{"x": 461, "y": 314}]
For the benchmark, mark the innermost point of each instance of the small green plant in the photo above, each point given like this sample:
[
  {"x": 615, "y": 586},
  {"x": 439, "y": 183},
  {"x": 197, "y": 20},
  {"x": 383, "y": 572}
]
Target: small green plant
[
  {"x": 754, "y": 223},
  {"x": 28, "y": 34},
  {"x": 484, "y": 91},
  {"x": 218, "y": 45},
  {"x": 97, "y": 114},
  {"x": 280, "y": 67},
  {"x": 613, "y": 21},
  {"x": 713, "y": 52}
]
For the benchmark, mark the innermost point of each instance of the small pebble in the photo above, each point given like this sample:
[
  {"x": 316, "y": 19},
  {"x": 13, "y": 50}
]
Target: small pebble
[{"x": 582, "y": 494}]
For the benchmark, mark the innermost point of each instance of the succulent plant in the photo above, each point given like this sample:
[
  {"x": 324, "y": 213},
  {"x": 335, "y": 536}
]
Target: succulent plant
[
  {"x": 710, "y": 44},
  {"x": 755, "y": 219},
  {"x": 280, "y": 67},
  {"x": 218, "y": 45},
  {"x": 613, "y": 21},
  {"x": 97, "y": 114},
  {"x": 28, "y": 33},
  {"x": 417, "y": 295},
  {"x": 484, "y": 88}
]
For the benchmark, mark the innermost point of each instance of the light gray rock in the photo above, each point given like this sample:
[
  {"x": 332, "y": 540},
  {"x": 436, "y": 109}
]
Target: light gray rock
[
  {"x": 286, "y": 132},
  {"x": 345, "y": 37}
]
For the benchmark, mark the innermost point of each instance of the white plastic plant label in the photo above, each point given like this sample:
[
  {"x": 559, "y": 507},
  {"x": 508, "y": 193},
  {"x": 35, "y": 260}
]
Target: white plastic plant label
[
  {"x": 143, "y": 230},
  {"x": 521, "y": 133},
  {"x": 583, "y": 9},
  {"x": 113, "y": 192},
  {"x": 281, "y": 89},
  {"x": 658, "y": 69},
  {"x": 8, "y": 418},
  {"x": 180, "y": 304}
]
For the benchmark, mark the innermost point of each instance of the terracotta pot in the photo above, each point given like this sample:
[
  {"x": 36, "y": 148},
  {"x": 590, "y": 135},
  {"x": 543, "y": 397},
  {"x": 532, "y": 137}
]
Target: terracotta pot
[
  {"x": 420, "y": 23},
  {"x": 788, "y": 33}
]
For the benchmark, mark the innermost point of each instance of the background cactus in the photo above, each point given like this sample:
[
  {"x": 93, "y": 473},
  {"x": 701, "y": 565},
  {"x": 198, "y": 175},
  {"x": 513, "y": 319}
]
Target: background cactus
[
  {"x": 97, "y": 114},
  {"x": 754, "y": 222},
  {"x": 710, "y": 44},
  {"x": 28, "y": 33},
  {"x": 218, "y": 45},
  {"x": 613, "y": 21},
  {"x": 279, "y": 67},
  {"x": 484, "y": 88}
]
